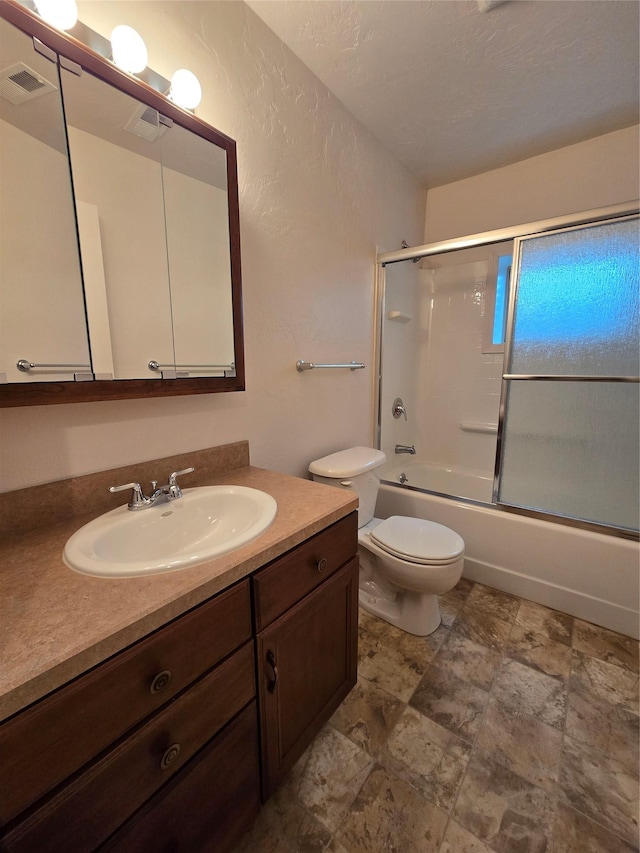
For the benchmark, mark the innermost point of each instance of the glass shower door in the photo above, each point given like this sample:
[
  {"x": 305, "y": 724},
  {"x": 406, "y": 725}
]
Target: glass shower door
[{"x": 570, "y": 428}]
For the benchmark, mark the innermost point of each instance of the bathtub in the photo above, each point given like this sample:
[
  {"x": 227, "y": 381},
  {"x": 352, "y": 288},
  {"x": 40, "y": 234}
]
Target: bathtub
[
  {"x": 589, "y": 575},
  {"x": 426, "y": 476}
]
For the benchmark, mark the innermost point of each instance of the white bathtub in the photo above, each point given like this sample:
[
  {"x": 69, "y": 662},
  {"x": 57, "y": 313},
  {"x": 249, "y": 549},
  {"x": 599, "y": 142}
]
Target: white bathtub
[
  {"x": 444, "y": 481},
  {"x": 589, "y": 575}
]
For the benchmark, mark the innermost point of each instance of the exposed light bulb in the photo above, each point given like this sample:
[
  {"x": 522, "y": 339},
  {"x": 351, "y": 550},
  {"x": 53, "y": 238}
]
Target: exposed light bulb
[
  {"x": 185, "y": 89},
  {"x": 128, "y": 49},
  {"x": 61, "y": 14}
]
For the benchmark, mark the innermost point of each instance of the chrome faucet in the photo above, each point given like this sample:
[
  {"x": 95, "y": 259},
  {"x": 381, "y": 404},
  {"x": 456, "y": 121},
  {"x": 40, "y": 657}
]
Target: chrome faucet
[
  {"x": 406, "y": 448},
  {"x": 160, "y": 494}
]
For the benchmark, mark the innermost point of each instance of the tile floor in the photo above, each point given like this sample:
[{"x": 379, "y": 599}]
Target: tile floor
[{"x": 513, "y": 728}]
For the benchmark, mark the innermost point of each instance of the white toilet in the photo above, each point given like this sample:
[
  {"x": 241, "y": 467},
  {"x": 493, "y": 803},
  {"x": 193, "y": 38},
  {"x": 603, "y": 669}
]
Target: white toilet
[{"x": 405, "y": 563}]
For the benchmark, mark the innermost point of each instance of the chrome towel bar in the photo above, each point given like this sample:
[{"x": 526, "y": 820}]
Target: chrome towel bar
[
  {"x": 25, "y": 366},
  {"x": 192, "y": 368},
  {"x": 310, "y": 365}
]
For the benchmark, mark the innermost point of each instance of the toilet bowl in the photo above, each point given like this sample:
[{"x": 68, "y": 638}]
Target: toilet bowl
[{"x": 405, "y": 563}]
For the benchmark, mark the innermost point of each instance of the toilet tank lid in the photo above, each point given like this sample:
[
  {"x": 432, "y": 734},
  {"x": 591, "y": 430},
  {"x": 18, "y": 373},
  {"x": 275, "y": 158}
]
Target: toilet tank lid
[{"x": 348, "y": 463}]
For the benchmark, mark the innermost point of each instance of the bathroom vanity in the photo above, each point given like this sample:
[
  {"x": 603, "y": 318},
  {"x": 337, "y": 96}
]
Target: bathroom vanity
[{"x": 157, "y": 713}]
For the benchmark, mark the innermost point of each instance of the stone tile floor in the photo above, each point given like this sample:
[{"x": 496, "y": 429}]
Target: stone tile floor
[{"x": 513, "y": 728}]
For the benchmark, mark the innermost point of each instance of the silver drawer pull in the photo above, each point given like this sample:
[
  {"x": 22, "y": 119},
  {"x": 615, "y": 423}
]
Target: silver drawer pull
[
  {"x": 170, "y": 755},
  {"x": 160, "y": 681}
]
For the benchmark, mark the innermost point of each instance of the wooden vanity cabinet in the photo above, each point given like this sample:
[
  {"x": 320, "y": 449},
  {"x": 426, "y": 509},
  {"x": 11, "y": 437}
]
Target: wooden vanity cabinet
[
  {"x": 166, "y": 746},
  {"x": 209, "y": 806},
  {"x": 103, "y": 782},
  {"x": 306, "y": 606},
  {"x": 42, "y": 745}
]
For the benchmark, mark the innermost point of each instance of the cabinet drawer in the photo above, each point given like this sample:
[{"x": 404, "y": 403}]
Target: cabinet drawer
[
  {"x": 209, "y": 806},
  {"x": 90, "y": 808},
  {"x": 44, "y": 744},
  {"x": 289, "y": 578}
]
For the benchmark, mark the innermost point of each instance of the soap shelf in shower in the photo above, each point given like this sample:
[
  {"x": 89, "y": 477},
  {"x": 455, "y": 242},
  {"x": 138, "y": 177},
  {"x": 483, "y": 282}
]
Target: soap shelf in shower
[
  {"x": 398, "y": 317},
  {"x": 476, "y": 426},
  {"x": 310, "y": 365}
]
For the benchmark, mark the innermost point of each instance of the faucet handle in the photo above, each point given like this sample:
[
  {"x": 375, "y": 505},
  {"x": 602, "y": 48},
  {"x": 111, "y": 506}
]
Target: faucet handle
[
  {"x": 137, "y": 498},
  {"x": 172, "y": 477},
  {"x": 174, "y": 489},
  {"x": 398, "y": 409}
]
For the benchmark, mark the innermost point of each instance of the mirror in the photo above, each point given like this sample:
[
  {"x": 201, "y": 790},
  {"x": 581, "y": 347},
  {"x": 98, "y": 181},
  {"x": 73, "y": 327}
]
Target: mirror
[
  {"x": 42, "y": 317},
  {"x": 156, "y": 209},
  {"x": 153, "y": 222}
]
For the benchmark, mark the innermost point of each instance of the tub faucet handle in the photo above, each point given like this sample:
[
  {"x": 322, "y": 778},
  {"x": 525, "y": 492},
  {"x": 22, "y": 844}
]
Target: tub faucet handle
[{"x": 398, "y": 409}]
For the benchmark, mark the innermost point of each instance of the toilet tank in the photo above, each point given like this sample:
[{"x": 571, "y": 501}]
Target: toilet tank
[{"x": 355, "y": 469}]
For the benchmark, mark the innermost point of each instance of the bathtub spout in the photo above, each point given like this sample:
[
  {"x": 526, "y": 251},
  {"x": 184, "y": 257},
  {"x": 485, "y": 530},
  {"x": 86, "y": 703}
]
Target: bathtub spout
[{"x": 405, "y": 448}]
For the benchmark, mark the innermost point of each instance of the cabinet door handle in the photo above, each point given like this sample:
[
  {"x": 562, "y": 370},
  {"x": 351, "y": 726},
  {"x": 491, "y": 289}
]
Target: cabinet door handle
[
  {"x": 170, "y": 755},
  {"x": 271, "y": 661},
  {"x": 160, "y": 681},
  {"x": 322, "y": 564}
]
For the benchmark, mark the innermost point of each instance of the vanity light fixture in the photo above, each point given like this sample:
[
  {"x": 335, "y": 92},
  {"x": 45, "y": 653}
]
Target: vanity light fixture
[
  {"x": 185, "y": 90},
  {"x": 128, "y": 49},
  {"x": 61, "y": 14}
]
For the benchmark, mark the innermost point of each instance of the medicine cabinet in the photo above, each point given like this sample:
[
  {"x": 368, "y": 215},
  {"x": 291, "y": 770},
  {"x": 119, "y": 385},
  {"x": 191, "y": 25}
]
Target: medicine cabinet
[{"x": 120, "y": 253}]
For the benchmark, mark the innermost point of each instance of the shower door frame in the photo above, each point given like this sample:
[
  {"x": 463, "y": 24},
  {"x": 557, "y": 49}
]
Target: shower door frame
[{"x": 529, "y": 229}]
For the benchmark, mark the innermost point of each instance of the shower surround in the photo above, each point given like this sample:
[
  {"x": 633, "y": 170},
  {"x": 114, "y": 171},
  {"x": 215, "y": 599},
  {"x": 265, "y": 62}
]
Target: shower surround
[{"x": 436, "y": 354}]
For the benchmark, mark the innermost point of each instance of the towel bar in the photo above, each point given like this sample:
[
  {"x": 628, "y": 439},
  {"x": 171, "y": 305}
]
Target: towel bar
[
  {"x": 25, "y": 366},
  {"x": 192, "y": 368},
  {"x": 310, "y": 365}
]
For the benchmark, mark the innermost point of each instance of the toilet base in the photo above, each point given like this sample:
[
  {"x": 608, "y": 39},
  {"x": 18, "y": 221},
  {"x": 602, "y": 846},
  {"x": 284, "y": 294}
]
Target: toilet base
[{"x": 413, "y": 612}]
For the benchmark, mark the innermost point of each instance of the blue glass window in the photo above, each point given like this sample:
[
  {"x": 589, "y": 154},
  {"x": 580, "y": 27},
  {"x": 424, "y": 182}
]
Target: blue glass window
[{"x": 502, "y": 300}]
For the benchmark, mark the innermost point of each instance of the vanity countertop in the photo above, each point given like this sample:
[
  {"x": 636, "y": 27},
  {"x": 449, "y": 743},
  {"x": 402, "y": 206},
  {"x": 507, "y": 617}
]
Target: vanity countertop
[{"x": 55, "y": 624}]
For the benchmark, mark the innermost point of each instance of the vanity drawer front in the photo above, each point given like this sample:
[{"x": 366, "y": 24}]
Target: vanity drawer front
[
  {"x": 44, "y": 744},
  {"x": 90, "y": 808},
  {"x": 209, "y": 806},
  {"x": 289, "y": 578}
]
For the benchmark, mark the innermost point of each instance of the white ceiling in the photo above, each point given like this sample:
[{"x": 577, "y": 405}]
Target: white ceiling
[{"x": 454, "y": 91}]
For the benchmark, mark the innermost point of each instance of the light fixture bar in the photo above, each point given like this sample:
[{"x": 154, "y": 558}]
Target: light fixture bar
[{"x": 102, "y": 46}]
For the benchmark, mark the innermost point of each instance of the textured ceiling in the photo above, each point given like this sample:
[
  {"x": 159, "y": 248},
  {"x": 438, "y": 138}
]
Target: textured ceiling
[{"x": 454, "y": 91}]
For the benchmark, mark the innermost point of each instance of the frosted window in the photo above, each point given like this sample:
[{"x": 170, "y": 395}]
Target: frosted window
[
  {"x": 571, "y": 449},
  {"x": 502, "y": 298},
  {"x": 577, "y": 302}
]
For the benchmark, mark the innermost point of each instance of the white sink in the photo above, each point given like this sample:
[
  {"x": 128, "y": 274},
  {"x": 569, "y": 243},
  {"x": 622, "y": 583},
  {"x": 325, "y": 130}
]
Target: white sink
[{"x": 204, "y": 523}]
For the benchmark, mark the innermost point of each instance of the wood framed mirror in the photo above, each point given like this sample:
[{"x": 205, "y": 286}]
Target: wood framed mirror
[{"x": 120, "y": 261}]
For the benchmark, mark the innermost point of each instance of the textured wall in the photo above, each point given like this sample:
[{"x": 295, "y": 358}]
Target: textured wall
[
  {"x": 318, "y": 196},
  {"x": 595, "y": 173}
]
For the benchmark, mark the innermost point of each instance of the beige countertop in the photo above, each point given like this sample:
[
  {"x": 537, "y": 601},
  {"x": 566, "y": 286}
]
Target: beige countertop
[{"x": 55, "y": 623}]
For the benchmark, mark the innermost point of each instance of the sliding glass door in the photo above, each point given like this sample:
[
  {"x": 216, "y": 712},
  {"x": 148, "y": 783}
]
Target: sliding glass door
[{"x": 569, "y": 436}]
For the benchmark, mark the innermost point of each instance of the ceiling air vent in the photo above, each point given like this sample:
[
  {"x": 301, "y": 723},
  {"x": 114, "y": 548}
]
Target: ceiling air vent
[
  {"x": 19, "y": 83},
  {"x": 147, "y": 123}
]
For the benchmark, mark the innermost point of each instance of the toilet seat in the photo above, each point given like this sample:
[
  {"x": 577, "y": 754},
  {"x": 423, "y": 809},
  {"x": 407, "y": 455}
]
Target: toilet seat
[{"x": 418, "y": 541}]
